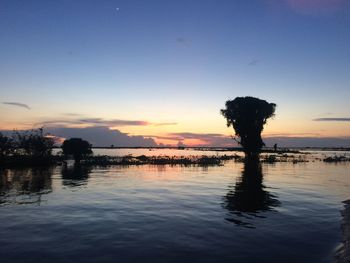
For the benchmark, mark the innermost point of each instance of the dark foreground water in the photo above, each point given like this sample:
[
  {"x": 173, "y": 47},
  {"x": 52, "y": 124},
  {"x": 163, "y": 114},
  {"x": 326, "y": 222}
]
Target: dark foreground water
[{"x": 286, "y": 213}]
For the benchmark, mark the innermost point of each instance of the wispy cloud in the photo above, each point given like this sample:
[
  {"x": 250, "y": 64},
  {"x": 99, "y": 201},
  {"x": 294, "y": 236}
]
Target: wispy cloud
[
  {"x": 98, "y": 122},
  {"x": 199, "y": 139},
  {"x": 253, "y": 62},
  {"x": 182, "y": 41},
  {"x": 93, "y": 122},
  {"x": 164, "y": 124},
  {"x": 72, "y": 114},
  {"x": 114, "y": 122},
  {"x": 308, "y": 141},
  {"x": 316, "y": 7},
  {"x": 17, "y": 104},
  {"x": 222, "y": 140},
  {"x": 332, "y": 119},
  {"x": 300, "y": 134}
]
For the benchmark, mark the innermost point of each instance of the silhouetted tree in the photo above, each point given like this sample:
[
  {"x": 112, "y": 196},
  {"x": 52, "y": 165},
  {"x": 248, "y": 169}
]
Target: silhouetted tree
[
  {"x": 247, "y": 115},
  {"x": 34, "y": 143},
  {"x": 6, "y": 146},
  {"x": 76, "y": 147}
]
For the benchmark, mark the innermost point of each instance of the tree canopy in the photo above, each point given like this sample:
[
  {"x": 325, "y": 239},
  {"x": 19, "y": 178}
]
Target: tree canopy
[
  {"x": 34, "y": 143},
  {"x": 247, "y": 116},
  {"x": 76, "y": 147},
  {"x": 6, "y": 146}
]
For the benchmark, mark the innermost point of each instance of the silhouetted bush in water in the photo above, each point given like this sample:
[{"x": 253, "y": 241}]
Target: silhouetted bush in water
[
  {"x": 28, "y": 148},
  {"x": 6, "y": 146},
  {"x": 336, "y": 159},
  {"x": 77, "y": 147},
  {"x": 159, "y": 160},
  {"x": 247, "y": 116},
  {"x": 34, "y": 143},
  {"x": 273, "y": 158},
  {"x": 29, "y": 161}
]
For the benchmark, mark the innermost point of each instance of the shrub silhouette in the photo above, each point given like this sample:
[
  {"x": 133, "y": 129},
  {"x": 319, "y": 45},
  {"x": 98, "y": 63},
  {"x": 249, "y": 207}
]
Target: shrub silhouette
[
  {"x": 27, "y": 148},
  {"x": 6, "y": 146},
  {"x": 247, "y": 115},
  {"x": 76, "y": 147},
  {"x": 34, "y": 143}
]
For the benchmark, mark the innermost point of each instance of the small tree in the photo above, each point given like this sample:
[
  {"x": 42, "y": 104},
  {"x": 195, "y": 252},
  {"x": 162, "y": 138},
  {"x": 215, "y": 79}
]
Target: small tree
[
  {"x": 248, "y": 115},
  {"x": 6, "y": 146},
  {"x": 76, "y": 147},
  {"x": 34, "y": 143}
]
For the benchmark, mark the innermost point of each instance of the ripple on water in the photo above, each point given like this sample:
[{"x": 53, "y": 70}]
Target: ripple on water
[{"x": 218, "y": 214}]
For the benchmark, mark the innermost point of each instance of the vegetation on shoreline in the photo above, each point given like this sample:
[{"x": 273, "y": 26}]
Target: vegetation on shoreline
[
  {"x": 28, "y": 148},
  {"x": 34, "y": 149},
  {"x": 336, "y": 159},
  {"x": 273, "y": 158},
  {"x": 196, "y": 160},
  {"x": 104, "y": 160}
]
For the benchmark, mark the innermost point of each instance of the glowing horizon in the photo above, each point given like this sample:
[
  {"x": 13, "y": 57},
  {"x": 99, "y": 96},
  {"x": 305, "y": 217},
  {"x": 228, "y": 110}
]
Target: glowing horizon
[{"x": 155, "y": 69}]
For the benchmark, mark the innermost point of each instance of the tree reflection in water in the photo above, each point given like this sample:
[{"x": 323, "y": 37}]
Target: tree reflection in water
[
  {"x": 75, "y": 176},
  {"x": 248, "y": 196},
  {"x": 25, "y": 186}
]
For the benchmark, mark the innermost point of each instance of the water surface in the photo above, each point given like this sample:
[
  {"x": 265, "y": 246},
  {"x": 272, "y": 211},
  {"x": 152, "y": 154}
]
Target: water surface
[{"x": 286, "y": 213}]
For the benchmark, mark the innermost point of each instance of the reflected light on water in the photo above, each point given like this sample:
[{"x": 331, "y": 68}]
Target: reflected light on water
[{"x": 236, "y": 212}]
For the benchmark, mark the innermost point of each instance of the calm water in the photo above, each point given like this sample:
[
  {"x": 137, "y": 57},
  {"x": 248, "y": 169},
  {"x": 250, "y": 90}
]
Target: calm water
[{"x": 284, "y": 213}]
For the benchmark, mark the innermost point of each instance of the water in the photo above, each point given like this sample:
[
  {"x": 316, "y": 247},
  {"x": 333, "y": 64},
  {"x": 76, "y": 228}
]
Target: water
[
  {"x": 286, "y": 213},
  {"x": 157, "y": 152}
]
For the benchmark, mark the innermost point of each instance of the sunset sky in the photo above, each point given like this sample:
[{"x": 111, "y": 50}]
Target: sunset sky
[{"x": 164, "y": 69}]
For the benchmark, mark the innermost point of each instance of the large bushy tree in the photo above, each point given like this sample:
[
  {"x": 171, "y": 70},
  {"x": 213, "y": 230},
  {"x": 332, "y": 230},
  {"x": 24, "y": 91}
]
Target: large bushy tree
[
  {"x": 76, "y": 147},
  {"x": 247, "y": 116}
]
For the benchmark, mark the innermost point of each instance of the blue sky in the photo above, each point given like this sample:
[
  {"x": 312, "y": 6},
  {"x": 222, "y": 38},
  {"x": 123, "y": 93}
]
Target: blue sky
[{"x": 176, "y": 62}]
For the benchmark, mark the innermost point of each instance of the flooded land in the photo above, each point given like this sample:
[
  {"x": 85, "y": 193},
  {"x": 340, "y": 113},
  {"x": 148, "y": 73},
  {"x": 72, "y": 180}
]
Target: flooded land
[{"x": 283, "y": 211}]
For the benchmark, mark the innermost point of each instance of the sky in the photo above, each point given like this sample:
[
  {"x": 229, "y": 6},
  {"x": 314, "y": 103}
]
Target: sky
[{"x": 144, "y": 73}]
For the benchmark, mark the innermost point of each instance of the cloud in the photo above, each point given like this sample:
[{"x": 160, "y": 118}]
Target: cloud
[
  {"x": 299, "y": 134},
  {"x": 221, "y": 140},
  {"x": 65, "y": 122},
  {"x": 199, "y": 139},
  {"x": 316, "y": 7},
  {"x": 253, "y": 62},
  {"x": 102, "y": 136},
  {"x": 99, "y": 122},
  {"x": 115, "y": 122},
  {"x": 184, "y": 42},
  {"x": 308, "y": 141},
  {"x": 17, "y": 104},
  {"x": 71, "y": 114},
  {"x": 332, "y": 119},
  {"x": 164, "y": 124}
]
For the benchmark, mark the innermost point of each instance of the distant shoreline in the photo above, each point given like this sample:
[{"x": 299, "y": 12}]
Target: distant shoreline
[
  {"x": 199, "y": 156},
  {"x": 239, "y": 149}
]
